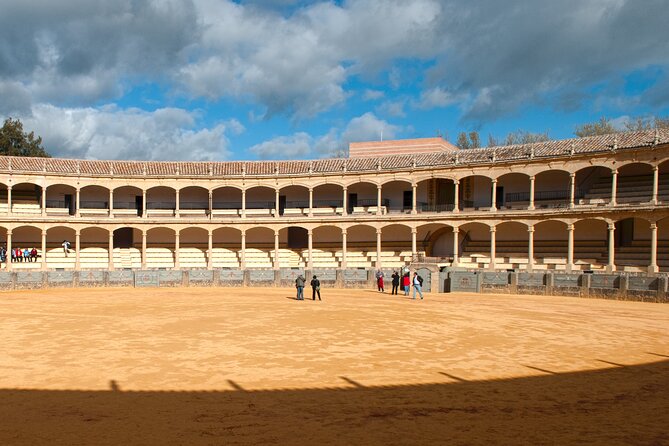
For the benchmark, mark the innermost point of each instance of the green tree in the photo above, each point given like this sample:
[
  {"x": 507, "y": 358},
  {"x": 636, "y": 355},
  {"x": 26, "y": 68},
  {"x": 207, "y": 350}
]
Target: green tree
[
  {"x": 15, "y": 142},
  {"x": 601, "y": 127}
]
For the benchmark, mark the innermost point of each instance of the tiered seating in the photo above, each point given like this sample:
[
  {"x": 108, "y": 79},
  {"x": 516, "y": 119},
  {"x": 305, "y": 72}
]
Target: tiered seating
[
  {"x": 322, "y": 258},
  {"x": 635, "y": 257},
  {"x": 93, "y": 258},
  {"x": 258, "y": 258},
  {"x": 56, "y": 258},
  {"x": 127, "y": 258},
  {"x": 631, "y": 189},
  {"x": 29, "y": 265},
  {"x": 25, "y": 207},
  {"x": 159, "y": 257},
  {"x": 225, "y": 258},
  {"x": 191, "y": 257},
  {"x": 289, "y": 258}
]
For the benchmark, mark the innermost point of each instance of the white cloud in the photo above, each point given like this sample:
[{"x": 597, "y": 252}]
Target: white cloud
[
  {"x": 436, "y": 97},
  {"x": 392, "y": 108},
  {"x": 372, "y": 95}
]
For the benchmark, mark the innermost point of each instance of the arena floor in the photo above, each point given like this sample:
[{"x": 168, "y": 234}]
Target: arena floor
[{"x": 210, "y": 366}]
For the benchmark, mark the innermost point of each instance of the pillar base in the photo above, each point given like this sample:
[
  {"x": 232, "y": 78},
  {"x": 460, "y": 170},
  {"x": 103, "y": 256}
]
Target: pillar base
[
  {"x": 653, "y": 269},
  {"x": 610, "y": 269}
]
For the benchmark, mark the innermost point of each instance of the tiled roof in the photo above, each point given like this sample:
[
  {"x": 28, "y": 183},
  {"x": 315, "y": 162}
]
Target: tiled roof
[{"x": 548, "y": 149}]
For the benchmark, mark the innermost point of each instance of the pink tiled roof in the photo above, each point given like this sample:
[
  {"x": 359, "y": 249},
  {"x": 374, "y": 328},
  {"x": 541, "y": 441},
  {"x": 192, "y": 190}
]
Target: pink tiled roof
[{"x": 548, "y": 149}]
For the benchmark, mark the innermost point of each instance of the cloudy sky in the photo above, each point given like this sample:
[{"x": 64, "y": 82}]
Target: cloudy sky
[{"x": 275, "y": 79}]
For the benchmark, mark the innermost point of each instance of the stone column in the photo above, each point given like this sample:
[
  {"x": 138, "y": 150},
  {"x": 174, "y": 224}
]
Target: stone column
[
  {"x": 210, "y": 204},
  {"x": 378, "y": 200},
  {"x": 345, "y": 202},
  {"x": 656, "y": 183},
  {"x": 76, "y": 202},
  {"x": 43, "y": 252},
  {"x": 110, "y": 250},
  {"x": 9, "y": 250},
  {"x": 77, "y": 249},
  {"x": 494, "y": 195},
  {"x": 572, "y": 190},
  {"x": 276, "y": 249},
  {"x": 530, "y": 249},
  {"x": 144, "y": 203},
  {"x": 414, "y": 251},
  {"x": 177, "y": 246},
  {"x": 652, "y": 268},
  {"x": 570, "y": 247},
  {"x": 143, "y": 249},
  {"x": 531, "y": 206},
  {"x": 456, "y": 246},
  {"x": 378, "y": 248},
  {"x": 43, "y": 202},
  {"x": 243, "y": 203},
  {"x": 9, "y": 199},
  {"x": 243, "y": 253},
  {"x": 414, "y": 189},
  {"x": 210, "y": 249},
  {"x": 111, "y": 203},
  {"x": 614, "y": 186},
  {"x": 276, "y": 203},
  {"x": 456, "y": 196},
  {"x": 310, "y": 263},
  {"x": 343, "y": 248},
  {"x": 493, "y": 254},
  {"x": 177, "y": 207},
  {"x": 612, "y": 247},
  {"x": 311, "y": 202}
]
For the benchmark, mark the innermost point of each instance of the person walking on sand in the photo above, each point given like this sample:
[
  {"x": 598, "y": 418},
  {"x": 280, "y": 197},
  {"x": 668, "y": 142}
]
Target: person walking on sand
[
  {"x": 396, "y": 282},
  {"x": 417, "y": 285},
  {"x": 315, "y": 288},
  {"x": 406, "y": 283},
  {"x": 379, "y": 280},
  {"x": 299, "y": 284}
]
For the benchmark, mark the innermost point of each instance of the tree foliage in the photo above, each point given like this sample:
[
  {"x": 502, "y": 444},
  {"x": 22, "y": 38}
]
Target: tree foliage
[
  {"x": 469, "y": 140},
  {"x": 15, "y": 142},
  {"x": 524, "y": 137},
  {"x": 639, "y": 124},
  {"x": 601, "y": 127}
]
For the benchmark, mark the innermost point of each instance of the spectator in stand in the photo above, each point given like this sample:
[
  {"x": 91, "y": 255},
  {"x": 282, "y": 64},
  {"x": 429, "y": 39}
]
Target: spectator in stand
[
  {"x": 13, "y": 254},
  {"x": 26, "y": 255},
  {"x": 33, "y": 255},
  {"x": 19, "y": 255},
  {"x": 3, "y": 254}
]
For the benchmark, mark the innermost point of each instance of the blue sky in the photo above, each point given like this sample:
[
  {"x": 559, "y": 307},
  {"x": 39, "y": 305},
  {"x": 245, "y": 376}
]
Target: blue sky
[{"x": 278, "y": 79}]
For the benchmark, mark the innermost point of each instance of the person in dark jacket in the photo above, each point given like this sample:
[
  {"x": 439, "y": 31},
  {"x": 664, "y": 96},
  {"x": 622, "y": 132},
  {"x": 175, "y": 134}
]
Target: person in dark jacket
[
  {"x": 396, "y": 282},
  {"x": 315, "y": 288}
]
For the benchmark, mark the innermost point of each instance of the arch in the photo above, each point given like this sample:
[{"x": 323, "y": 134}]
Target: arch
[
  {"x": 26, "y": 198},
  {"x": 128, "y": 201},
  {"x": 634, "y": 183},
  {"x": 328, "y": 199},
  {"x": 593, "y": 185},
  {"x": 27, "y": 237},
  {"x": 94, "y": 252},
  {"x": 259, "y": 247},
  {"x": 226, "y": 201},
  {"x": 56, "y": 255},
  {"x": 161, "y": 201},
  {"x": 293, "y": 200},
  {"x": 260, "y": 200},
  {"x": 193, "y": 247},
  {"x": 632, "y": 244},
  {"x": 362, "y": 197},
  {"x": 126, "y": 246},
  {"x": 94, "y": 197},
  {"x": 590, "y": 244},
  {"x": 161, "y": 248},
  {"x": 60, "y": 199},
  {"x": 474, "y": 244},
  {"x": 436, "y": 240},
  {"x": 663, "y": 244},
  {"x": 293, "y": 246},
  {"x": 226, "y": 247},
  {"x": 194, "y": 200},
  {"x": 397, "y": 196},
  {"x": 552, "y": 188},
  {"x": 475, "y": 192},
  {"x": 513, "y": 189},
  {"x": 327, "y": 246}
]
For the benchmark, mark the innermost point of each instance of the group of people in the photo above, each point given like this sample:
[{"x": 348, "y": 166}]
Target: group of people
[
  {"x": 19, "y": 254},
  {"x": 315, "y": 287},
  {"x": 404, "y": 279}
]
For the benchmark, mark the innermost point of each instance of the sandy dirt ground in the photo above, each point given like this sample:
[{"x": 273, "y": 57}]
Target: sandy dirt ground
[{"x": 210, "y": 366}]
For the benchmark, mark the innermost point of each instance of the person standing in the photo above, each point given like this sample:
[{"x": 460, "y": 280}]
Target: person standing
[
  {"x": 315, "y": 288},
  {"x": 379, "y": 280},
  {"x": 299, "y": 284},
  {"x": 406, "y": 283},
  {"x": 417, "y": 285},
  {"x": 396, "y": 282}
]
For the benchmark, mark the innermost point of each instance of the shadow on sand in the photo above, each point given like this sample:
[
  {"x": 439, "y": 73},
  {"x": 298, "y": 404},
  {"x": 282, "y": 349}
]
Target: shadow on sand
[{"x": 612, "y": 406}]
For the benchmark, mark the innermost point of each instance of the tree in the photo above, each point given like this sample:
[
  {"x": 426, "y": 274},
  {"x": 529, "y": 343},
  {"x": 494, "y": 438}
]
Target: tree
[
  {"x": 524, "y": 137},
  {"x": 468, "y": 141},
  {"x": 601, "y": 127},
  {"x": 15, "y": 142},
  {"x": 648, "y": 123}
]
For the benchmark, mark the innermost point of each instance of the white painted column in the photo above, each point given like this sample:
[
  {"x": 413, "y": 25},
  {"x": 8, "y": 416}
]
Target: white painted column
[
  {"x": 210, "y": 249},
  {"x": 656, "y": 183},
  {"x": 343, "y": 248},
  {"x": 144, "y": 203},
  {"x": 276, "y": 249},
  {"x": 493, "y": 243},
  {"x": 310, "y": 244},
  {"x": 177, "y": 207},
  {"x": 572, "y": 190},
  {"x": 345, "y": 202},
  {"x": 211, "y": 204},
  {"x": 378, "y": 200},
  {"x": 77, "y": 195},
  {"x": 456, "y": 197},
  {"x": 110, "y": 250},
  {"x": 243, "y": 253},
  {"x": 570, "y": 247},
  {"x": 311, "y": 202},
  {"x": 243, "y": 203},
  {"x": 276, "y": 203},
  {"x": 652, "y": 268},
  {"x": 143, "y": 249},
  {"x": 614, "y": 186},
  {"x": 494, "y": 195},
  {"x": 9, "y": 250},
  {"x": 9, "y": 199},
  {"x": 531, "y": 206},
  {"x": 77, "y": 249},
  {"x": 414, "y": 188},
  {"x": 177, "y": 246},
  {"x": 612, "y": 248},
  {"x": 43, "y": 252},
  {"x": 414, "y": 250},
  {"x": 111, "y": 202},
  {"x": 456, "y": 246},
  {"x": 378, "y": 248},
  {"x": 43, "y": 202},
  {"x": 530, "y": 248}
]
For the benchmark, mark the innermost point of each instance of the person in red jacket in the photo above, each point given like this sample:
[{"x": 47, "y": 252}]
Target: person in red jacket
[{"x": 406, "y": 283}]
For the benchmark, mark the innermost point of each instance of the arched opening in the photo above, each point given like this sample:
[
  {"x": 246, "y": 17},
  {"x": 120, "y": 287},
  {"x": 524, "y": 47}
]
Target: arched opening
[
  {"x": 160, "y": 248},
  {"x": 635, "y": 184},
  {"x": 552, "y": 189},
  {"x": 663, "y": 182},
  {"x": 436, "y": 240},
  {"x": 94, "y": 200},
  {"x": 513, "y": 191},
  {"x": 227, "y": 243},
  {"x": 259, "y": 247},
  {"x": 632, "y": 244},
  {"x": 27, "y": 238},
  {"x": 550, "y": 245},
  {"x": 193, "y": 247},
  {"x": 398, "y": 196},
  {"x": 327, "y": 246},
  {"x": 56, "y": 255},
  {"x": 328, "y": 199},
  {"x": 362, "y": 198},
  {"x": 361, "y": 246},
  {"x": 26, "y": 198},
  {"x": 432, "y": 195},
  {"x": 128, "y": 201},
  {"x": 161, "y": 201},
  {"x": 260, "y": 201},
  {"x": 396, "y": 246},
  {"x": 512, "y": 245},
  {"x": 293, "y": 244},
  {"x": 226, "y": 202},
  {"x": 60, "y": 200},
  {"x": 474, "y": 245},
  {"x": 476, "y": 193},
  {"x": 294, "y": 201},
  {"x": 127, "y": 248},
  {"x": 663, "y": 245},
  {"x": 194, "y": 201},
  {"x": 593, "y": 186},
  {"x": 590, "y": 245},
  {"x": 94, "y": 253}
]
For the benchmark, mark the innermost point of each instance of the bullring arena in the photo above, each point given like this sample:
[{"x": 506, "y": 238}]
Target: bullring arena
[{"x": 173, "y": 319}]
